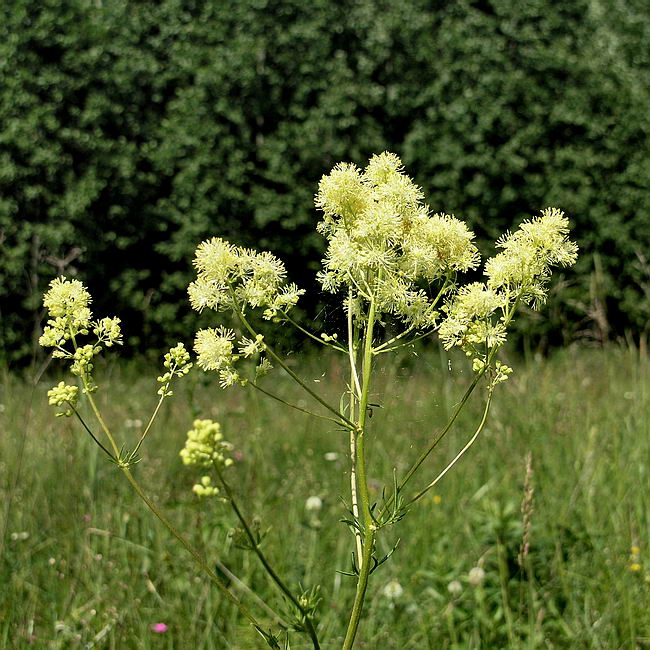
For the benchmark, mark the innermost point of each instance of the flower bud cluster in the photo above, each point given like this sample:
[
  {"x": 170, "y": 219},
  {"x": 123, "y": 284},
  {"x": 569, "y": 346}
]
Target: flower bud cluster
[
  {"x": 381, "y": 235},
  {"x": 108, "y": 332},
  {"x": 204, "y": 488},
  {"x": 205, "y": 445},
  {"x": 63, "y": 394},
  {"x": 230, "y": 278},
  {"x": 82, "y": 357},
  {"x": 177, "y": 363}
]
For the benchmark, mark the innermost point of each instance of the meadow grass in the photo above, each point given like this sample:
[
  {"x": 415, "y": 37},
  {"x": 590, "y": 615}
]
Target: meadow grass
[{"x": 85, "y": 565}]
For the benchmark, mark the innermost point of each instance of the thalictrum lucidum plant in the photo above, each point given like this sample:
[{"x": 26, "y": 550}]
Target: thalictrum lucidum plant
[{"x": 393, "y": 263}]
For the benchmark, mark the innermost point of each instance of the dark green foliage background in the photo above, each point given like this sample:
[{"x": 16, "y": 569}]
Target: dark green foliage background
[{"x": 131, "y": 130}]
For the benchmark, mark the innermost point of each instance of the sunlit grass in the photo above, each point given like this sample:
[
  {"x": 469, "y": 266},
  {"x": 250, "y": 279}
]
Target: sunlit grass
[{"x": 84, "y": 565}]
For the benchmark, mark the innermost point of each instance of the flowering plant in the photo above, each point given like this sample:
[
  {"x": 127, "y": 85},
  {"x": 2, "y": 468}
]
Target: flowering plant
[{"x": 391, "y": 261}]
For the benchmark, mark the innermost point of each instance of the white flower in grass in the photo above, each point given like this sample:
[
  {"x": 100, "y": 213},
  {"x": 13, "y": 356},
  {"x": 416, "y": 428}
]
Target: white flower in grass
[
  {"x": 455, "y": 588},
  {"x": 313, "y": 504},
  {"x": 476, "y": 576},
  {"x": 393, "y": 590}
]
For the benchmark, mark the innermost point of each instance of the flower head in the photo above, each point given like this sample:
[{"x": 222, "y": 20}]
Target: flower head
[
  {"x": 455, "y": 588},
  {"x": 476, "y": 576},
  {"x": 313, "y": 504},
  {"x": 159, "y": 628},
  {"x": 214, "y": 348},
  {"x": 63, "y": 394},
  {"x": 230, "y": 277},
  {"x": 108, "y": 332},
  {"x": 67, "y": 304},
  {"x": 205, "y": 445},
  {"x": 528, "y": 254},
  {"x": 469, "y": 320},
  {"x": 67, "y": 299},
  {"x": 393, "y": 590},
  {"x": 383, "y": 241}
]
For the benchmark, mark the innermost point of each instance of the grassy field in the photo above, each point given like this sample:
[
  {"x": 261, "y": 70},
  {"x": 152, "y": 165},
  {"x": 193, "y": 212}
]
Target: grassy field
[{"x": 84, "y": 565}]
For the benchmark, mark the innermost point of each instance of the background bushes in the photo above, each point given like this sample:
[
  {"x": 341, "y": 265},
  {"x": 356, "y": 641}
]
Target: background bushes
[{"x": 131, "y": 130}]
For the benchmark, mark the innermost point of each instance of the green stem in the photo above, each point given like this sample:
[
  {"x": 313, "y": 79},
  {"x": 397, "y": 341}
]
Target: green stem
[
  {"x": 146, "y": 429},
  {"x": 507, "y": 317},
  {"x": 368, "y": 523},
  {"x": 384, "y": 347},
  {"x": 406, "y": 343},
  {"x": 355, "y": 391},
  {"x": 92, "y": 435},
  {"x": 265, "y": 563},
  {"x": 170, "y": 527},
  {"x": 352, "y": 354},
  {"x": 164, "y": 393},
  {"x": 284, "y": 366},
  {"x": 290, "y": 405},
  {"x": 300, "y": 328},
  {"x": 436, "y": 440},
  {"x": 471, "y": 441},
  {"x": 100, "y": 419}
]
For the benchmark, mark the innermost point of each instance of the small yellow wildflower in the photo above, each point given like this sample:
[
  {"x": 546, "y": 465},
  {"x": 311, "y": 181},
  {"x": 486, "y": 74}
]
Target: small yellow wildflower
[
  {"x": 205, "y": 445},
  {"x": 63, "y": 394},
  {"x": 214, "y": 348},
  {"x": 205, "y": 488}
]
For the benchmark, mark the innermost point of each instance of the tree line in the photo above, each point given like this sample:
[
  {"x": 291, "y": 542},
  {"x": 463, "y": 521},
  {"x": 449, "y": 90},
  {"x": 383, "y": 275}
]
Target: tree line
[{"x": 132, "y": 130}]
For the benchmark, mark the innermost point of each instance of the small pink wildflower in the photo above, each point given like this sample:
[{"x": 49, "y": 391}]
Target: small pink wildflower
[
  {"x": 159, "y": 628},
  {"x": 86, "y": 517}
]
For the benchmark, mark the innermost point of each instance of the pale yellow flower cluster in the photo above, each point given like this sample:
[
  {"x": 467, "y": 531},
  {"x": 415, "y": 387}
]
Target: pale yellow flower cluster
[
  {"x": 67, "y": 303},
  {"x": 215, "y": 350},
  {"x": 63, "y": 394},
  {"x": 177, "y": 364},
  {"x": 382, "y": 239},
  {"x": 524, "y": 266},
  {"x": 478, "y": 315},
  {"x": 229, "y": 275},
  {"x": 108, "y": 332},
  {"x": 205, "y": 445},
  {"x": 469, "y": 318},
  {"x": 230, "y": 278},
  {"x": 386, "y": 248},
  {"x": 204, "y": 488}
]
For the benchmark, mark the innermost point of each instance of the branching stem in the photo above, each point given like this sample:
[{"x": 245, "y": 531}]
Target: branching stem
[
  {"x": 170, "y": 527},
  {"x": 265, "y": 563},
  {"x": 471, "y": 441},
  {"x": 290, "y": 405},
  {"x": 300, "y": 328},
  {"x": 284, "y": 366}
]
